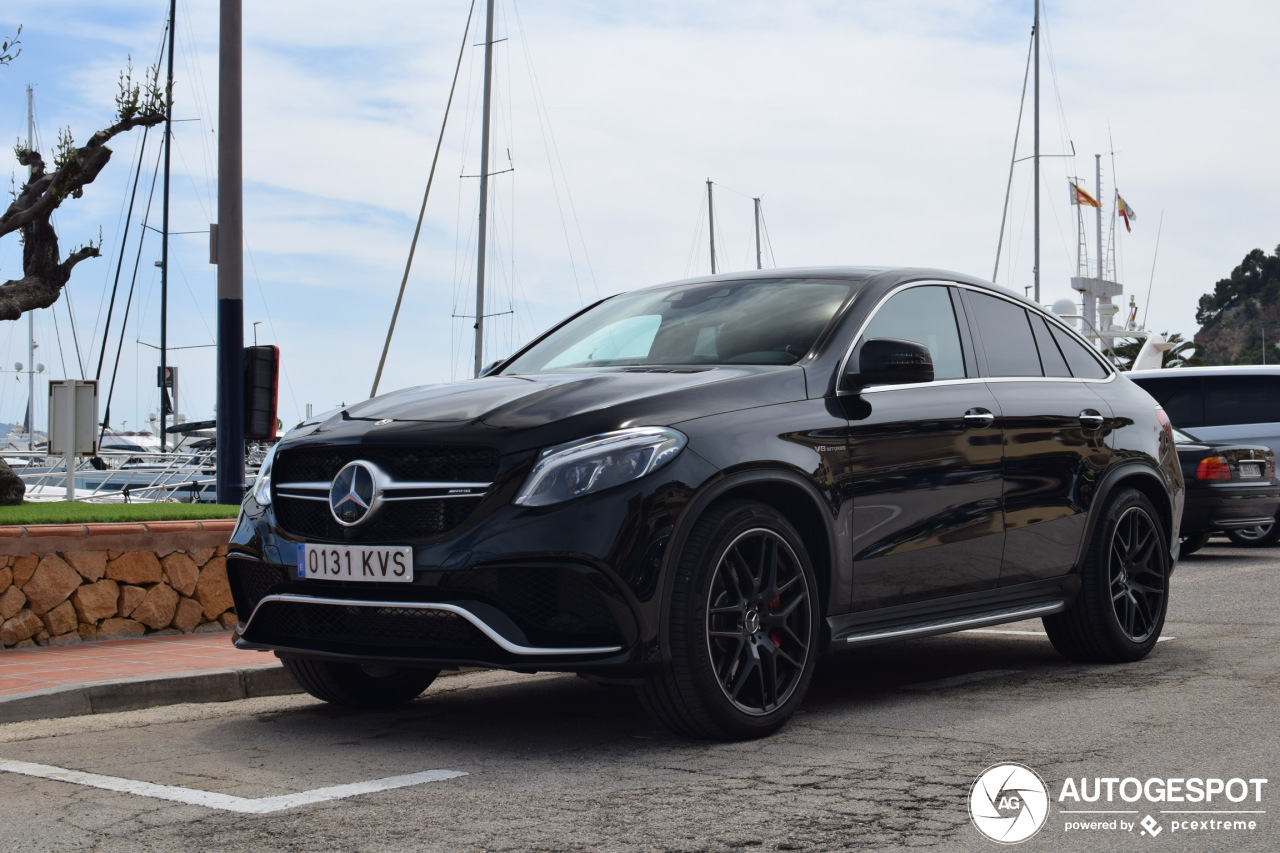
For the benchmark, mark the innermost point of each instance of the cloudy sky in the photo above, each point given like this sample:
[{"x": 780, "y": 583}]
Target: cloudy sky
[{"x": 874, "y": 131}]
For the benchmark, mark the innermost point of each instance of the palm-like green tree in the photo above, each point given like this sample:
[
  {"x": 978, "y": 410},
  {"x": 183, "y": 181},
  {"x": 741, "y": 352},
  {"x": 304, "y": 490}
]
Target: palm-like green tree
[{"x": 1181, "y": 355}]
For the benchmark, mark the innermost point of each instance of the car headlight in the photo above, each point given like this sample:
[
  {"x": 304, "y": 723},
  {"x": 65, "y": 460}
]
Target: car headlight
[
  {"x": 581, "y": 467},
  {"x": 262, "y": 486}
]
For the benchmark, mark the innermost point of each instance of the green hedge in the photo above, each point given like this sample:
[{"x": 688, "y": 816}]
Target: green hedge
[{"x": 80, "y": 512}]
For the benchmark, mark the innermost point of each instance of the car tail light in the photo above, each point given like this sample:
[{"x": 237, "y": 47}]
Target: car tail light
[
  {"x": 1213, "y": 468},
  {"x": 1165, "y": 423}
]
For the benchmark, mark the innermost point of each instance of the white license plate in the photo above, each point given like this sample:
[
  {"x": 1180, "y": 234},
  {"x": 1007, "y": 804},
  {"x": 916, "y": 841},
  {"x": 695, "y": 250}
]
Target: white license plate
[
  {"x": 368, "y": 563},
  {"x": 1250, "y": 470}
]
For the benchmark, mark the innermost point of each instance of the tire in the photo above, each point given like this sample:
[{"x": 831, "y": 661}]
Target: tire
[
  {"x": 1262, "y": 536},
  {"x": 1124, "y": 587},
  {"x": 361, "y": 685},
  {"x": 743, "y": 627},
  {"x": 1193, "y": 543}
]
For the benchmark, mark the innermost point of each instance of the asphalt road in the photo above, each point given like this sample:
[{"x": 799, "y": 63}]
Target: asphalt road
[{"x": 883, "y": 755}]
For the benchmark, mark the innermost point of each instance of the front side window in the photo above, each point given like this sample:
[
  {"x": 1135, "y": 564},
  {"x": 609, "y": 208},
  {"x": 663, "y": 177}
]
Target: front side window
[
  {"x": 926, "y": 316},
  {"x": 771, "y": 321}
]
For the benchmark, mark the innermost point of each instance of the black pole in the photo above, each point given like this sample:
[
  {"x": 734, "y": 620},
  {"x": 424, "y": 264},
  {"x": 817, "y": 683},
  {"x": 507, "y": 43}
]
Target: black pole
[
  {"x": 164, "y": 237},
  {"x": 230, "y": 255}
]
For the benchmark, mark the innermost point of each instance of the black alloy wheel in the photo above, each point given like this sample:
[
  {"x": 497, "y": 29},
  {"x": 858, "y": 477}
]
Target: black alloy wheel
[
  {"x": 1124, "y": 584},
  {"x": 743, "y": 628},
  {"x": 1137, "y": 575},
  {"x": 364, "y": 685},
  {"x": 758, "y": 622}
]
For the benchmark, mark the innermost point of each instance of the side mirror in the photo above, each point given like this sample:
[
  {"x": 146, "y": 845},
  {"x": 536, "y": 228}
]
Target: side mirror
[
  {"x": 492, "y": 366},
  {"x": 888, "y": 361}
]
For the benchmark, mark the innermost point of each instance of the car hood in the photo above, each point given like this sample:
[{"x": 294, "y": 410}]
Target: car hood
[{"x": 577, "y": 404}]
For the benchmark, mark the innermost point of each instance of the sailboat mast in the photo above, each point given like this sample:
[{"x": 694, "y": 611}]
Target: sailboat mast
[
  {"x": 31, "y": 315},
  {"x": 759, "y": 258},
  {"x": 164, "y": 237},
  {"x": 484, "y": 187},
  {"x": 1035, "y": 159},
  {"x": 1097, "y": 160},
  {"x": 711, "y": 226}
]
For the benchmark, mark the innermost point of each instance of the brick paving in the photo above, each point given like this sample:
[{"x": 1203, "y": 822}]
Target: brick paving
[{"x": 29, "y": 670}]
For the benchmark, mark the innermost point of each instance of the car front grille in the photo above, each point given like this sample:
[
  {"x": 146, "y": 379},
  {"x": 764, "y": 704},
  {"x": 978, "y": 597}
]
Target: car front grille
[{"x": 396, "y": 520}]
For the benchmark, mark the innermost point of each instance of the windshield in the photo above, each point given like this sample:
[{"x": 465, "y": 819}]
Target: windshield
[{"x": 772, "y": 321}]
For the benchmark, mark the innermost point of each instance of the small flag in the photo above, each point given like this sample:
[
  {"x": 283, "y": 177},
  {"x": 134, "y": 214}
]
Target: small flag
[
  {"x": 1079, "y": 196},
  {"x": 1126, "y": 212}
]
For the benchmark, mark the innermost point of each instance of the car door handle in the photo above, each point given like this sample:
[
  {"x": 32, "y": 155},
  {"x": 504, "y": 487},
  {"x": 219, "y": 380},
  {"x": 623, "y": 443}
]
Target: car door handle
[
  {"x": 1089, "y": 419},
  {"x": 979, "y": 418}
]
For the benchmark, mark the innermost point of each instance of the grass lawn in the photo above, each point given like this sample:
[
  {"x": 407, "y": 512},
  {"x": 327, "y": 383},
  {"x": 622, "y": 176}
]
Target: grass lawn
[{"x": 80, "y": 512}]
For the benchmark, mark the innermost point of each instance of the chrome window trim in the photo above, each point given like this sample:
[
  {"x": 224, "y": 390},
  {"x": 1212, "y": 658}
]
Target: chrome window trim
[
  {"x": 848, "y": 355},
  {"x": 876, "y": 389},
  {"x": 501, "y": 641}
]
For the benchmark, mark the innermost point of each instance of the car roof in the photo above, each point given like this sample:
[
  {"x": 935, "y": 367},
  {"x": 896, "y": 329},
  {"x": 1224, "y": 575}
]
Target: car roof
[
  {"x": 889, "y": 275},
  {"x": 1219, "y": 370}
]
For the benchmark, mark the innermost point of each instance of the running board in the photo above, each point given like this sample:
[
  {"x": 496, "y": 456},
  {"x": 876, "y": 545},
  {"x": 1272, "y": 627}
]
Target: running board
[{"x": 953, "y": 623}]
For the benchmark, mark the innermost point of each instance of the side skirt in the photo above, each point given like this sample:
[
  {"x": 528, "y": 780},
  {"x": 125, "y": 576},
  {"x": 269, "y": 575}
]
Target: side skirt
[{"x": 956, "y": 613}]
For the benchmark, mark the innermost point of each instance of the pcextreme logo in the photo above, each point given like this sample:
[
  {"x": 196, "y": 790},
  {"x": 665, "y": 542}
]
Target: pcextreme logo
[{"x": 1010, "y": 803}]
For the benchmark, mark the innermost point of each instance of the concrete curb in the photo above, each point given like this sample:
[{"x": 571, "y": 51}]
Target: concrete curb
[{"x": 132, "y": 694}]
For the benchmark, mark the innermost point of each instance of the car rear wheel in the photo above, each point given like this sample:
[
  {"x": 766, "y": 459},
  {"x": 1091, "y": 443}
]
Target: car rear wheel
[
  {"x": 1124, "y": 583},
  {"x": 743, "y": 627},
  {"x": 1262, "y": 536},
  {"x": 366, "y": 685}
]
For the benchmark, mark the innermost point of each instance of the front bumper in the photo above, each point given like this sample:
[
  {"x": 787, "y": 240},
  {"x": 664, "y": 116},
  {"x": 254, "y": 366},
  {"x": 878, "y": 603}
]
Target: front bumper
[{"x": 572, "y": 587}]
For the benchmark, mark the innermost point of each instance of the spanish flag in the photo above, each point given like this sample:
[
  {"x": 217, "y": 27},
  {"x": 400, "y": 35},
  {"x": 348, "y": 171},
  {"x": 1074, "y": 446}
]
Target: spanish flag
[
  {"x": 1126, "y": 212},
  {"x": 1079, "y": 196}
]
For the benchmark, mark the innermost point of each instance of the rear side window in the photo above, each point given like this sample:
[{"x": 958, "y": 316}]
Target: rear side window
[
  {"x": 1006, "y": 336},
  {"x": 1180, "y": 396},
  {"x": 1084, "y": 364},
  {"x": 1051, "y": 358},
  {"x": 1241, "y": 400}
]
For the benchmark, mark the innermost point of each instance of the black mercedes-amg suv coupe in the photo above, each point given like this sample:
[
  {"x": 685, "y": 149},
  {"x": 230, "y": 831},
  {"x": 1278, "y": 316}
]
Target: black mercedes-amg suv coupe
[{"x": 699, "y": 488}]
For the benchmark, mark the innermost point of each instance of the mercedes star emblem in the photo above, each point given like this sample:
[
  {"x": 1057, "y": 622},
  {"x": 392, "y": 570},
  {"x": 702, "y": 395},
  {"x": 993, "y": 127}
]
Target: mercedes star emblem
[{"x": 354, "y": 493}]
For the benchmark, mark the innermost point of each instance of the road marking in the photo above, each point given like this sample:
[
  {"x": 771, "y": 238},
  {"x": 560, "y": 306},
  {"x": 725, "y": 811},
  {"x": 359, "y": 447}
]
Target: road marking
[
  {"x": 1030, "y": 633},
  {"x": 956, "y": 680},
  {"x": 225, "y": 802}
]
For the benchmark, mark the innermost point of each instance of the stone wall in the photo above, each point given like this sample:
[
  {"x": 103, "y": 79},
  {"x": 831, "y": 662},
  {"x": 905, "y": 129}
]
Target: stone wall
[{"x": 66, "y": 583}]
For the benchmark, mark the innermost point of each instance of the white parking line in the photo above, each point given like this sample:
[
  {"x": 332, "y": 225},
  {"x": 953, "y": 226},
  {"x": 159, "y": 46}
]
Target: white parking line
[
  {"x": 956, "y": 680},
  {"x": 225, "y": 802}
]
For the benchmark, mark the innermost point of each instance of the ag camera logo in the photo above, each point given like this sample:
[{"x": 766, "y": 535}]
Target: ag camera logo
[{"x": 1009, "y": 803}]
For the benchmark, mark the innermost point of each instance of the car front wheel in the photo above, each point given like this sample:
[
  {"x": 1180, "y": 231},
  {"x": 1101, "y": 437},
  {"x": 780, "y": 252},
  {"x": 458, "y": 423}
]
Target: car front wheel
[
  {"x": 366, "y": 685},
  {"x": 743, "y": 629},
  {"x": 1124, "y": 584}
]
